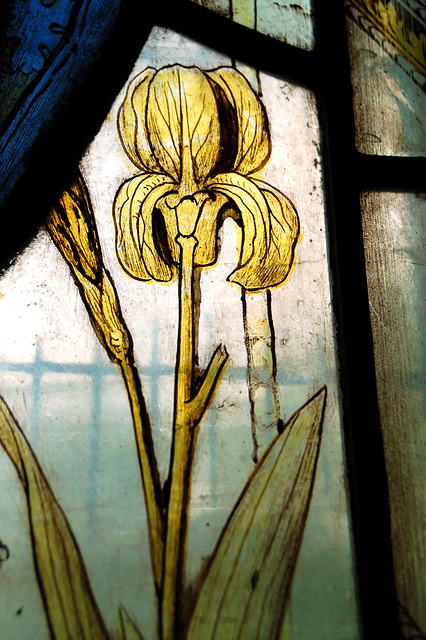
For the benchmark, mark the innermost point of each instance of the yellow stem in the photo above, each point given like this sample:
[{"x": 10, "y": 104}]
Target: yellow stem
[
  {"x": 183, "y": 438},
  {"x": 186, "y": 329},
  {"x": 190, "y": 407},
  {"x": 148, "y": 467}
]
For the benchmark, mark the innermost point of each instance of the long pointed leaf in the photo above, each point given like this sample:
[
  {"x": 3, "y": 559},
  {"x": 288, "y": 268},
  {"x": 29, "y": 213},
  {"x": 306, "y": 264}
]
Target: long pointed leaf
[
  {"x": 128, "y": 629},
  {"x": 69, "y": 602},
  {"x": 244, "y": 593}
]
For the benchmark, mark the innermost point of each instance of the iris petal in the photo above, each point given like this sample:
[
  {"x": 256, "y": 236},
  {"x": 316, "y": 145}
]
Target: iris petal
[
  {"x": 132, "y": 123},
  {"x": 206, "y": 251},
  {"x": 254, "y": 212},
  {"x": 183, "y": 124},
  {"x": 174, "y": 125},
  {"x": 133, "y": 208},
  {"x": 279, "y": 261},
  {"x": 156, "y": 266},
  {"x": 254, "y": 143}
]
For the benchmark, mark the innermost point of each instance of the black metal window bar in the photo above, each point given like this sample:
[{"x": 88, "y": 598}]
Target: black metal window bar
[{"x": 347, "y": 173}]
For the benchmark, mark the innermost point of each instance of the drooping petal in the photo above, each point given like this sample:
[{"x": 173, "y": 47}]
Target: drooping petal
[
  {"x": 132, "y": 123},
  {"x": 280, "y": 258},
  {"x": 133, "y": 208},
  {"x": 255, "y": 223},
  {"x": 183, "y": 124},
  {"x": 154, "y": 253},
  {"x": 254, "y": 142}
]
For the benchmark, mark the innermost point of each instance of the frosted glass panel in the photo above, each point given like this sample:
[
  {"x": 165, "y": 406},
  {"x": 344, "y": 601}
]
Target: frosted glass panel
[
  {"x": 262, "y": 411},
  {"x": 394, "y": 238}
]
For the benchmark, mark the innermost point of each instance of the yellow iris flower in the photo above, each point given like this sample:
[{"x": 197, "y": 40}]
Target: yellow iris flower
[{"x": 199, "y": 139}]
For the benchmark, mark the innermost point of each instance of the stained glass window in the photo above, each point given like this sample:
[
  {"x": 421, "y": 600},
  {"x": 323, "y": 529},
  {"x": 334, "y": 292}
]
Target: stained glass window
[{"x": 211, "y": 320}]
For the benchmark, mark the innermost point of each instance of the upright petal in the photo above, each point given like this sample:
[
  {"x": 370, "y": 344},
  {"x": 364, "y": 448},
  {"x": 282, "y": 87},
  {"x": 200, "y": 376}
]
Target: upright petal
[
  {"x": 183, "y": 125},
  {"x": 133, "y": 209},
  {"x": 254, "y": 143},
  {"x": 132, "y": 123}
]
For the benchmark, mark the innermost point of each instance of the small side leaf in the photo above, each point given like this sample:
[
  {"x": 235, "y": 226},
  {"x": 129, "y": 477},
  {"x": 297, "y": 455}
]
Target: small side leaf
[
  {"x": 69, "y": 602},
  {"x": 245, "y": 590}
]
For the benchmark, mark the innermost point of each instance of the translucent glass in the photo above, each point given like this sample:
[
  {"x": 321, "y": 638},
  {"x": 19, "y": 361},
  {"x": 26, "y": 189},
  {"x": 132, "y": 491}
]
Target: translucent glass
[
  {"x": 70, "y": 401},
  {"x": 395, "y": 241},
  {"x": 387, "y": 47},
  {"x": 284, "y": 20}
]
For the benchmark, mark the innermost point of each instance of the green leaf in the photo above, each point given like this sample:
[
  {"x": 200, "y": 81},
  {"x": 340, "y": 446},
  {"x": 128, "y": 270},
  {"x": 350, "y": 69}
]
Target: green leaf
[
  {"x": 69, "y": 602},
  {"x": 128, "y": 629},
  {"x": 244, "y": 593}
]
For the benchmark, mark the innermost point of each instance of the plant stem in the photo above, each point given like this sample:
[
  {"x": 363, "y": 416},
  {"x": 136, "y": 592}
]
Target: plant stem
[
  {"x": 148, "y": 467},
  {"x": 190, "y": 407},
  {"x": 259, "y": 337},
  {"x": 183, "y": 442}
]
